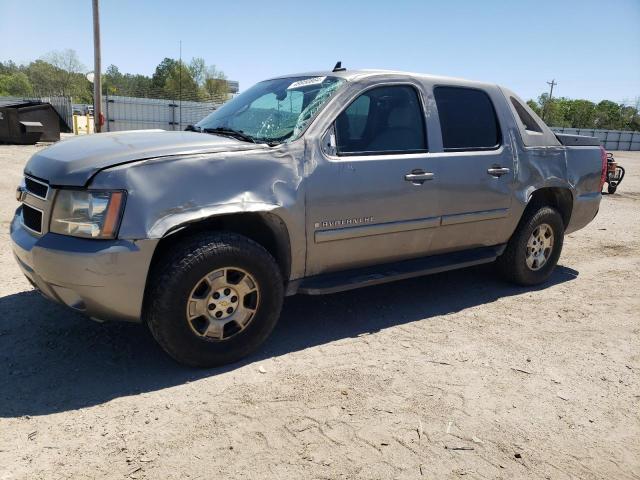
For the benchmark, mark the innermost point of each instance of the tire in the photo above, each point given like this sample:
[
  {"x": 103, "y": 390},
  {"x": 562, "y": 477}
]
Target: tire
[
  {"x": 514, "y": 263},
  {"x": 611, "y": 189},
  {"x": 185, "y": 282}
]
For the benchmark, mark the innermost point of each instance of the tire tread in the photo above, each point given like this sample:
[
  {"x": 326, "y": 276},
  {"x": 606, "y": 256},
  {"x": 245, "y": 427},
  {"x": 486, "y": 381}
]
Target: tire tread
[{"x": 183, "y": 258}]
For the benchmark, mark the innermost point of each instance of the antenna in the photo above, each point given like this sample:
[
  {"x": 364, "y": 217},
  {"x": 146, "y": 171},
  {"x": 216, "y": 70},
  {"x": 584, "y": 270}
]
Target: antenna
[{"x": 338, "y": 67}]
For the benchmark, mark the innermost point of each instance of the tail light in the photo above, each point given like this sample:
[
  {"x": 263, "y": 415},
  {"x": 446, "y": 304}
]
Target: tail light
[{"x": 603, "y": 173}]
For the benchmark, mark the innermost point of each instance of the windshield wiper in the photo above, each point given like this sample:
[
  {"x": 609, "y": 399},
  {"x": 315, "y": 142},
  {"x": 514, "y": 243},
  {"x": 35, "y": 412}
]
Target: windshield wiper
[{"x": 239, "y": 134}]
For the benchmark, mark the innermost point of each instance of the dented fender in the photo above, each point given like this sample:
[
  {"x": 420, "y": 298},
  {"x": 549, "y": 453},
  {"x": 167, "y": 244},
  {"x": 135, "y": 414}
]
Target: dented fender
[{"x": 169, "y": 193}]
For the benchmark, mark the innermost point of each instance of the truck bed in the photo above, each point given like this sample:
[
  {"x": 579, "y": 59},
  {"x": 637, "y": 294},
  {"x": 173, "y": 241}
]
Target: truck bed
[{"x": 577, "y": 140}]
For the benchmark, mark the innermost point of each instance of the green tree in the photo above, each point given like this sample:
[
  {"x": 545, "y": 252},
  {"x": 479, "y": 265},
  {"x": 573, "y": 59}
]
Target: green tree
[
  {"x": 113, "y": 81},
  {"x": 8, "y": 67},
  {"x": 579, "y": 113},
  {"x": 551, "y": 111},
  {"x": 68, "y": 74},
  {"x": 215, "y": 86},
  {"x": 198, "y": 69},
  {"x": 15, "y": 84},
  {"x": 631, "y": 115},
  {"x": 159, "y": 78},
  {"x": 608, "y": 115},
  {"x": 44, "y": 78},
  {"x": 126, "y": 84},
  {"x": 59, "y": 73},
  {"x": 180, "y": 83},
  {"x": 62, "y": 73},
  {"x": 535, "y": 107}
]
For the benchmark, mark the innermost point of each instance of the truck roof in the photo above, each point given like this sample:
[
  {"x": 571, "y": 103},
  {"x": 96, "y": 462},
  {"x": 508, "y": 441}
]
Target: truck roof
[{"x": 354, "y": 75}]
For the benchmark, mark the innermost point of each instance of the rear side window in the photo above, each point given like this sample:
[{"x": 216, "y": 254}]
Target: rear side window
[
  {"x": 382, "y": 120},
  {"x": 526, "y": 119},
  {"x": 467, "y": 119}
]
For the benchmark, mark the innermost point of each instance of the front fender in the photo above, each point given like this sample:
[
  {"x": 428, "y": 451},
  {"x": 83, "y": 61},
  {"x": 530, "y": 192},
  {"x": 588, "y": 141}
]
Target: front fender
[
  {"x": 166, "y": 194},
  {"x": 181, "y": 217}
]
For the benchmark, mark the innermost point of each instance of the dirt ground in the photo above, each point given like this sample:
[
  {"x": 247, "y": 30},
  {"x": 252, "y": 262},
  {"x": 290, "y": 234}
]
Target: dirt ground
[{"x": 453, "y": 375}]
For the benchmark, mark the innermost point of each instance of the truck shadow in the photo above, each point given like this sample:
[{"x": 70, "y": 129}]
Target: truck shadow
[{"x": 53, "y": 360}]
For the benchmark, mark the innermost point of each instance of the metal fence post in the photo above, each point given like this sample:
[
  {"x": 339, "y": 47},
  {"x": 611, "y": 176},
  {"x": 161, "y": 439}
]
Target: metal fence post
[{"x": 106, "y": 110}]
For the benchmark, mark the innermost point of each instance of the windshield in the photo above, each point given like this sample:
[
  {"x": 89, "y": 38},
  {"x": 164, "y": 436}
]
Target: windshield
[{"x": 273, "y": 111}]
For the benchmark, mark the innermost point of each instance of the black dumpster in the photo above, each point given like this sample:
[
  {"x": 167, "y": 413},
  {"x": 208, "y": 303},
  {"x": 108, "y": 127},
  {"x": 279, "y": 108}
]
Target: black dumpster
[{"x": 26, "y": 122}]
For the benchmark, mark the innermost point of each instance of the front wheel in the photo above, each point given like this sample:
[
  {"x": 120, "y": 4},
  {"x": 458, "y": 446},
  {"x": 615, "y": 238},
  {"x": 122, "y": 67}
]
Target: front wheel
[
  {"x": 214, "y": 300},
  {"x": 534, "y": 249}
]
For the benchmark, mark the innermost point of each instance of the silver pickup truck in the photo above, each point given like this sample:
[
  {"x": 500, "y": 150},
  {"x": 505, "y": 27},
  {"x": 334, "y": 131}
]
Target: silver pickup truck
[{"x": 312, "y": 183}]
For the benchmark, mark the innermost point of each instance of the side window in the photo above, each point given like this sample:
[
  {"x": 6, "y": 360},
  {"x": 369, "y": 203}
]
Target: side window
[
  {"x": 382, "y": 120},
  {"x": 526, "y": 119},
  {"x": 467, "y": 119}
]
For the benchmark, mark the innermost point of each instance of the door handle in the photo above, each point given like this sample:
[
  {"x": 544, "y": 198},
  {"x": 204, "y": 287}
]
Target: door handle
[
  {"x": 498, "y": 171},
  {"x": 418, "y": 177}
]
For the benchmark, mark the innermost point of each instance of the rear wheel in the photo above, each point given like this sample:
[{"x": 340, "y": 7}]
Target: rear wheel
[
  {"x": 214, "y": 300},
  {"x": 534, "y": 249}
]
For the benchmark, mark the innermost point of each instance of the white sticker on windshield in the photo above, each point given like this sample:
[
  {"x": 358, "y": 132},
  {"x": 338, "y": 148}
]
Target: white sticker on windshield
[{"x": 306, "y": 82}]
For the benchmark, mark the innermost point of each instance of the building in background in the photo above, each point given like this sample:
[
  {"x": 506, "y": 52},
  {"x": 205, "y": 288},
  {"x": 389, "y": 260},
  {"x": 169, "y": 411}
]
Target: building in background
[{"x": 234, "y": 86}]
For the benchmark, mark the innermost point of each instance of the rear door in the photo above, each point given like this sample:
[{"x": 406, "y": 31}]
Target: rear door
[
  {"x": 373, "y": 198},
  {"x": 475, "y": 166}
]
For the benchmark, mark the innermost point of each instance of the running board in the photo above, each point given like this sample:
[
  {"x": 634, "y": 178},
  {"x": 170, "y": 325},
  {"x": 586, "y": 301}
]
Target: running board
[{"x": 389, "y": 272}]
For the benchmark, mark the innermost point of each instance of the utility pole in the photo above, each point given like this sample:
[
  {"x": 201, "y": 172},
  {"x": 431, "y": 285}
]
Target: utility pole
[
  {"x": 97, "y": 82},
  {"x": 180, "y": 87},
  {"x": 552, "y": 84}
]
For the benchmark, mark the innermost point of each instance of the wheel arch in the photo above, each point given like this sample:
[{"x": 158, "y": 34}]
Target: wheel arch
[
  {"x": 265, "y": 228},
  {"x": 560, "y": 198}
]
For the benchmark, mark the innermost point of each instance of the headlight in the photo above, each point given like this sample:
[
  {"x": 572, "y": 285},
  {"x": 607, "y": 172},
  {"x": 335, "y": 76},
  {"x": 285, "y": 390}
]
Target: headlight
[{"x": 90, "y": 214}]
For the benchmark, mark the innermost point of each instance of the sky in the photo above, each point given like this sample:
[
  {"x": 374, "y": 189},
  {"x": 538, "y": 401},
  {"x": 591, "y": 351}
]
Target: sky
[{"x": 590, "y": 47}]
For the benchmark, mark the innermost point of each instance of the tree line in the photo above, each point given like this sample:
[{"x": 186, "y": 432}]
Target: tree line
[
  {"x": 576, "y": 113},
  {"x": 61, "y": 73}
]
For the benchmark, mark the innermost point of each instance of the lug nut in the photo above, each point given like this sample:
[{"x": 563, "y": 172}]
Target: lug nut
[
  {"x": 218, "y": 314},
  {"x": 212, "y": 307},
  {"x": 234, "y": 299},
  {"x": 229, "y": 310},
  {"x": 216, "y": 295},
  {"x": 227, "y": 291}
]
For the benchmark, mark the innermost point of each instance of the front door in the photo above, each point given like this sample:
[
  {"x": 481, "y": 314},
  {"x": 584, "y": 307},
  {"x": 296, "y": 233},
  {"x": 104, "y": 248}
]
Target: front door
[{"x": 373, "y": 199}]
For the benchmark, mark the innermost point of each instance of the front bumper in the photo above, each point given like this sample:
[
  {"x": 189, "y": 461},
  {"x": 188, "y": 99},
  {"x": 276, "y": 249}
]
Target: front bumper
[{"x": 105, "y": 279}]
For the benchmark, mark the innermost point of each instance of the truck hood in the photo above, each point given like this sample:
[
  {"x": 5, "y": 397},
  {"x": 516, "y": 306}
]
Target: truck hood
[{"x": 75, "y": 161}]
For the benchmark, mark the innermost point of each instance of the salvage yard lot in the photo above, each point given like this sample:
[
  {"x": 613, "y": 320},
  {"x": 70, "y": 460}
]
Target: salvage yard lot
[{"x": 453, "y": 375}]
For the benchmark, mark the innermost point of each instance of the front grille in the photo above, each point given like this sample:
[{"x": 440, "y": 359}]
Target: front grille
[
  {"x": 36, "y": 187},
  {"x": 32, "y": 218}
]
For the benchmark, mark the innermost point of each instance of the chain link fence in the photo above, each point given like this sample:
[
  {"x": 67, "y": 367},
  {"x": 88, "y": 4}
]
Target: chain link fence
[{"x": 138, "y": 113}]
